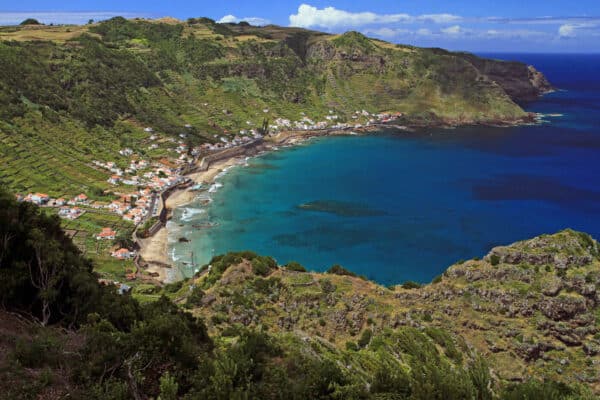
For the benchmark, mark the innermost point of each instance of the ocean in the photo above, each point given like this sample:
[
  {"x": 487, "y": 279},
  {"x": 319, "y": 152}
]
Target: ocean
[{"x": 400, "y": 206}]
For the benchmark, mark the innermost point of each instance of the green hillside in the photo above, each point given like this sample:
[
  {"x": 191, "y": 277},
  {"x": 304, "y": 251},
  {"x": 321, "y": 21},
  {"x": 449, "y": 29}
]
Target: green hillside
[{"x": 72, "y": 94}]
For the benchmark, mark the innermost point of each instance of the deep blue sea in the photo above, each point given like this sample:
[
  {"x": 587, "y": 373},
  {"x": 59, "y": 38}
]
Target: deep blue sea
[{"x": 405, "y": 206}]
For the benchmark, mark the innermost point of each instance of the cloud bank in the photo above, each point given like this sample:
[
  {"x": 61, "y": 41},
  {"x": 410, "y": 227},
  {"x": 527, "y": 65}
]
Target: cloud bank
[
  {"x": 331, "y": 17},
  {"x": 448, "y": 27}
]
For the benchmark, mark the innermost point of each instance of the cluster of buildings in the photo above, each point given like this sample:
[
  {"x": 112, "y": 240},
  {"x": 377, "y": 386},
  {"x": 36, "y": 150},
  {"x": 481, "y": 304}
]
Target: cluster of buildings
[
  {"x": 68, "y": 209},
  {"x": 332, "y": 121},
  {"x": 134, "y": 207}
]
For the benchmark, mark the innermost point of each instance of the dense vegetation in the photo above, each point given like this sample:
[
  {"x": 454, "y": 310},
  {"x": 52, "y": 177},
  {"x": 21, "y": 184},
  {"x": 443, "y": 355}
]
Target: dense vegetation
[{"x": 92, "y": 343}]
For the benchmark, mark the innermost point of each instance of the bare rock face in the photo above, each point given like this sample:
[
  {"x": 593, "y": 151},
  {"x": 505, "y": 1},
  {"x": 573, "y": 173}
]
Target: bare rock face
[
  {"x": 563, "y": 307},
  {"x": 521, "y": 82}
]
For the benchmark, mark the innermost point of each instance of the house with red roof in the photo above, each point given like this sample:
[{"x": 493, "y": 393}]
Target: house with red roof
[
  {"x": 123, "y": 254},
  {"x": 106, "y": 234}
]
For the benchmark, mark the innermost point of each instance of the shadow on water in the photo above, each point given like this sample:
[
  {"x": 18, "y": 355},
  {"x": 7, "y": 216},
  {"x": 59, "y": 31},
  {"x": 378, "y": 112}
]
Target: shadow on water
[{"x": 340, "y": 208}]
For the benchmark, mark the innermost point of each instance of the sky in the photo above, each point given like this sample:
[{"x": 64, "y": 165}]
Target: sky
[{"x": 543, "y": 26}]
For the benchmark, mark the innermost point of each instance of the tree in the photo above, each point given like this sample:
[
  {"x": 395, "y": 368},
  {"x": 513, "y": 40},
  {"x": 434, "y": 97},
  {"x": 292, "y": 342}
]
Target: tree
[
  {"x": 264, "y": 129},
  {"x": 168, "y": 387},
  {"x": 45, "y": 270},
  {"x": 30, "y": 21},
  {"x": 90, "y": 21}
]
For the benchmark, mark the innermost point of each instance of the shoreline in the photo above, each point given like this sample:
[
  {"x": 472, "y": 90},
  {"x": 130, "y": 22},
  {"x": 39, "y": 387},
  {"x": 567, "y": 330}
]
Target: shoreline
[{"x": 154, "y": 250}]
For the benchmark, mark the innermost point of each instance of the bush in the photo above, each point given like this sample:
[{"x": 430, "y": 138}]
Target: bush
[
  {"x": 437, "y": 279},
  {"x": 195, "y": 298},
  {"x": 327, "y": 286},
  {"x": 295, "y": 266},
  {"x": 351, "y": 346},
  {"x": 42, "y": 350},
  {"x": 339, "y": 270},
  {"x": 494, "y": 259},
  {"x": 365, "y": 338},
  {"x": 263, "y": 266},
  {"x": 30, "y": 21},
  {"x": 411, "y": 285},
  {"x": 534, "y": 389}
]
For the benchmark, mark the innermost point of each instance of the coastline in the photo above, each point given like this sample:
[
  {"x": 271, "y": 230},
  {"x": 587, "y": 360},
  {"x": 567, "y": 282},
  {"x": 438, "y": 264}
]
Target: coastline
[{"x": 154, "y": 250}]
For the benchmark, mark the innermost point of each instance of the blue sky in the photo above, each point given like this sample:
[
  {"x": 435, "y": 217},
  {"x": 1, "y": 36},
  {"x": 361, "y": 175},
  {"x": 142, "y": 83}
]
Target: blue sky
[{"x": 472, "y": 25}]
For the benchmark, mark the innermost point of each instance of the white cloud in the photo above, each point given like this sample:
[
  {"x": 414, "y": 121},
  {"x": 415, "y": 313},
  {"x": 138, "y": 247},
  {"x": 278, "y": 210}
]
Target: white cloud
[
  {"x": 330, "y": 17},
  {"x": 256, "y": 21},
  {"x": 63, "y": 17},
  {"x": 572, "y": 30},
  {"x": 454, "y": 30},
  {"x": 228, "y": 19},
  {"x": 439, "y": 18},
  {"x": 309, "y": 16}
]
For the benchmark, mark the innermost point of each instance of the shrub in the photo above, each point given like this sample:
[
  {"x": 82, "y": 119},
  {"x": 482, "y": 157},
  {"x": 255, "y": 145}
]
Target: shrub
[
  {"x": 411, "y": 285},
  {"x": 263, "y": 266},
  {"x": 437, "y": 279},
  {"x": 195, "y": 298},
  {"x": 327, "y": 286},
  {"x": 339, "y": 270},
  {"x": 351, "y": 346},
  {"x": 365, "y": 338},
  {"x": 295, "y": 266},
  {"x": 30, "y": 21},
  {"x": 494, "y": 259}
]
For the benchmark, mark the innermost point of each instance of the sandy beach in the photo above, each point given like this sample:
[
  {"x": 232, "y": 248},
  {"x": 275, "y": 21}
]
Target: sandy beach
[{"x": 154, "y": 250}]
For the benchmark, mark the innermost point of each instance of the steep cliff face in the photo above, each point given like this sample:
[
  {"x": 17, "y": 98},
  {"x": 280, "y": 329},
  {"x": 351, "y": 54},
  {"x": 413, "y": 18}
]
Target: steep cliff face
[{"x": 520, "y": 81}]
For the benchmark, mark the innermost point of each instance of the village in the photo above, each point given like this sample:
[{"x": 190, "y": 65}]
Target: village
[{"x": 137, "y": 182}]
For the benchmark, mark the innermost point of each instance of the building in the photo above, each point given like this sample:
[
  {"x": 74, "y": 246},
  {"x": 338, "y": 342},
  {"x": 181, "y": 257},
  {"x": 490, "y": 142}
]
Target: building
[
  {"x": 114, "y": 179},
  {"x": 106, "y": 234},
  {"x": 39, "y": 198},
  {"x": 123, "y": 254}
]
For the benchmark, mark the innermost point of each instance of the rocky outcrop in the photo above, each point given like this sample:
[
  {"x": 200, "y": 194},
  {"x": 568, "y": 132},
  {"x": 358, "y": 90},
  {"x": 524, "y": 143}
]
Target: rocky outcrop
[{"x": 520, "y": 81}]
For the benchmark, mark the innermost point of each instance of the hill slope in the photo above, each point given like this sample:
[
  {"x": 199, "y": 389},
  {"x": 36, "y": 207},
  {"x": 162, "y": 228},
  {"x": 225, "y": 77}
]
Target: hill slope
[
  {"x": 531, "y": 308},
  {"x": 72, "y": 94}
]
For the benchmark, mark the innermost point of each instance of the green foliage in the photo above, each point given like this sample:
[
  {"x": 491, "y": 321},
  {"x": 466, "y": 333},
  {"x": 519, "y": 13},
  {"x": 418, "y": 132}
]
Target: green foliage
[
  {"x": 294, "y": 266},
  {"x": 43, "y": 273},
  {"x": 365, "y": 338},
  {"x": 355, "y": 42},
  {"x": 219, "y": 265},
  {"x": 168, "y": 387},
  {"x": 339, "y": 270},
  {"x": 327, "y": 286},
  {"x": 411, "y": 285},
  {"x": 42, "y": 350},
  {"x": 30, "y": 21},
  {"x": 437, "y": 279},
  {"x": 494, "y": 259},
  {"x": 537, "y": 390},
  {"x": 195, "y": 297},
  {"x": 263, "y": 265}
]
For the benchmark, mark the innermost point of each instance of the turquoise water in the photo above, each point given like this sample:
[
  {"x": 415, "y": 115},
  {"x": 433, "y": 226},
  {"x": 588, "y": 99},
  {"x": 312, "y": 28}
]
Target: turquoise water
[{"x": 397, "y": 206}]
